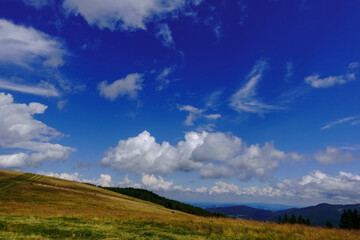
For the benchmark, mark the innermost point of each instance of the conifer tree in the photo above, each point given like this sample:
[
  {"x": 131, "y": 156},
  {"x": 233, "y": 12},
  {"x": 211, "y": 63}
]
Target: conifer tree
[
  {"x": 329, "y": 224},
  {"x": 293, "y": 219}
]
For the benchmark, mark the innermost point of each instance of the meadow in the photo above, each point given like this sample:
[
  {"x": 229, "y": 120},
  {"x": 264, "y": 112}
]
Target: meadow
[{"x": 39, "y": 207}]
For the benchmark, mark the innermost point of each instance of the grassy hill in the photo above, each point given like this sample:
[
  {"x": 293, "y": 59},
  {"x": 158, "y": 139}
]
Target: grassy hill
[
  {"x": 168, "y": 203},
  {"x": 39, "y": 207}
]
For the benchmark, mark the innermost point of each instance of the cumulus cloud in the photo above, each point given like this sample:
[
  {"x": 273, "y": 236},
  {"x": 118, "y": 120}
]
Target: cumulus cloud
[
  {"x": 142, "y": 154},
  {"x": 333, "y": 155},
  {"x": 352, "y": 119},
  {"x": 67, "y": 176},
  {"x": 19, "y": 130},
  {"x": 245, "y": 100},
  {"x": 163, "y": 79},
  {"x": 104, "y": 180},
  {"x": 316, "y": 81},
  {"x": 319, "y": 185},
  {"x": 128, "y": 86},
  {"x": 316, "y": 186},
  {"x": 151, "y": 182},
  {"x": 125, "y": 14},
  {"x": 164, "y": 34},
  {"x": 24, "y": 46},
  {"x": 221, "y": 187},
  {"x": 48, "y": 90},
  {"x": 213, "y": 155}
]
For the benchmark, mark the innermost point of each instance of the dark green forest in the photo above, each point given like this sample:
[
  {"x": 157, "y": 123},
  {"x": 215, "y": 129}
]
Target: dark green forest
[
  {"x": 350, "y": 219},
  {"x": 293, "y": 220},
  {"x": 168, "y": 203}
]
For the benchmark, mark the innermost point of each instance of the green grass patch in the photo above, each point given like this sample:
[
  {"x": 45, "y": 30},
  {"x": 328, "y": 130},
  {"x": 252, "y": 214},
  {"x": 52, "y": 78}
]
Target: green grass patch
[{"x": 23, "y": 178}]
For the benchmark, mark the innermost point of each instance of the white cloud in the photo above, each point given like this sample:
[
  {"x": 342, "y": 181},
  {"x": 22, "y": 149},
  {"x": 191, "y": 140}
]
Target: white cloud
[
  {"x": 151, "y": 182},
  {"x": 353, "y": 120},
  {"x": 211, "y": 100},
  {"x": 125, "y": 14},
  {"x": 163, "y": 80},
  {"x": 67, "y": 176},
  {"x": 222, "y": 188},
  {"x": 19, "y": 130},
  {"x": 61, "y": 104},
  {"x": 213, "y": 155},
  {"x": 354, "y": 123},
  {"x": 317, "y": 82},
  {"x": 24, "y": 46},
  {"x": 237, "y": 159},
  {"x": 333, "y": 155},
  {"x": 244, "y": 100},
  {"x": 194, "y": 113},
  {"x": 217, "y": 30},
  {"x": 164, "y": 34},
  {"x": 319, "y": 185},
  {"x": 316, "y": 186},
  {"x": 128, "y": 86},
  {"x": 39, "y": 3},
  {"x": 47, "y": 90},
  {"x": 213, "y": 116},
  {"x": 142, "y": 154}
]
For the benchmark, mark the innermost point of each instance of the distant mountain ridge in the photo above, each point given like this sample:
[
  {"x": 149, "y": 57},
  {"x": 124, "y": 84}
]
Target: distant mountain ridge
[{"x": 318, "y": 214}]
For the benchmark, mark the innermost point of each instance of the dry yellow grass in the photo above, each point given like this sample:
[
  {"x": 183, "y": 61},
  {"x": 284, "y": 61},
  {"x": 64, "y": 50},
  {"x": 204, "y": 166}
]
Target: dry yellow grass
[{"x": 55, "y": 208}]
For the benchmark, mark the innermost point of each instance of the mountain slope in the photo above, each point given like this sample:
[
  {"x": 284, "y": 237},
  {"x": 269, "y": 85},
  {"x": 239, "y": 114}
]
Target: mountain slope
[
  {"x": 318, "y": 214},
  {"x": 39, "y": 207},
  {"x": 243, "y": 211}
]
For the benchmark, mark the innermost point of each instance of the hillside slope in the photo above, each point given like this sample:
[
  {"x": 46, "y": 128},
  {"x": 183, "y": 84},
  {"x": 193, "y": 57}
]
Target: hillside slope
[
  {"x": 39, "y": 207},
  {"x": 168, "y": 203}
]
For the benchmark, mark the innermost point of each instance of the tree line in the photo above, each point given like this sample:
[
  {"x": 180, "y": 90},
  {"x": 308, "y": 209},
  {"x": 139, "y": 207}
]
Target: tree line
[
  {"x": 168, "y": 203},
  {"x": 350, "y": 219},
  {"x": 293, "y": 220}
]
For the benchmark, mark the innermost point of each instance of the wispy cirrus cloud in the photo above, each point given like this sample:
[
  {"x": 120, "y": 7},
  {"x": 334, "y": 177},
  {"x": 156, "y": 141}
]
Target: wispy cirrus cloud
[
  {"x": 245, "y": 99},
  {"x": 39, "y": 3},
  {"x": 289, "y": 70},
  {"x": 354, "y": 120},
  {"x": 316, "y": 81},
  {"x": 164, "y": 34},
  {"x": 163, "y": 78},
  {"x": 194, "y": 113},
  {"x": 24, "y": 46},
  {"x": 46, "y": 90}
]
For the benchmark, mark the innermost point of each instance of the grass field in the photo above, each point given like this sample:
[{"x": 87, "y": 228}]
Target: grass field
[{"x": 48, "y": 208}]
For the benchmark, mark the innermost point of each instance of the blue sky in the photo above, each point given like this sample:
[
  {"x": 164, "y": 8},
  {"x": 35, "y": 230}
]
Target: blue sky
[{"x": 233, "y": 101}]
